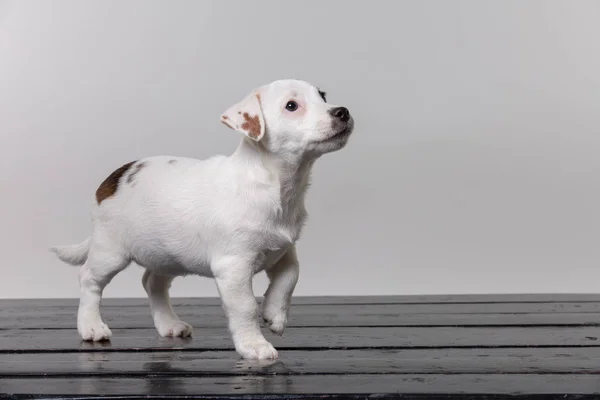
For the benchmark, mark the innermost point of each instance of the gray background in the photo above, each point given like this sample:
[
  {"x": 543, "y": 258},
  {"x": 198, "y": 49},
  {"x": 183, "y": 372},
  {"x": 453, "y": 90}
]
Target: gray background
[{"x": 473, "y": 168}]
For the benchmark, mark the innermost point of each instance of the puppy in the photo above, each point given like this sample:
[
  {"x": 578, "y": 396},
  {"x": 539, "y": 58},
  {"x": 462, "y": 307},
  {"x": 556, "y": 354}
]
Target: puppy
[{"x": 225, "y": 217}]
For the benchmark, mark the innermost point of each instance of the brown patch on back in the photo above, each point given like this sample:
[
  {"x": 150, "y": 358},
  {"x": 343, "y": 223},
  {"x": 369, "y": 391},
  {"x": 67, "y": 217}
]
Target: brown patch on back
[
  {"x": 109, "y": 186},
  {"x": 137, "y": 169},
  {"x": 252, "y": 125}
]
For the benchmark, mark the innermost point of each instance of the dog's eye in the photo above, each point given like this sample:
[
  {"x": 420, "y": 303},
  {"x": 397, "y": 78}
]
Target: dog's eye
[{"x": 291, "y": 106}]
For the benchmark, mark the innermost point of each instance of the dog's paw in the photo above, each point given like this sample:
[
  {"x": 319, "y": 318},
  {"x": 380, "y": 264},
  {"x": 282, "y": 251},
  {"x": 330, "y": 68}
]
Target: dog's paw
[
  {"x": 175, "y": 329},
  {"x": 94, "y": 332},
  {"x": 275, "y": 318},
  {"x": 276, "y": 324},
  {"x": 258, "y": 349}
]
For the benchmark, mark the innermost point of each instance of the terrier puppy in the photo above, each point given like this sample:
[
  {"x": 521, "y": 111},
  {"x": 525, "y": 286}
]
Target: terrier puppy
[{"x": 226, "y": 217}]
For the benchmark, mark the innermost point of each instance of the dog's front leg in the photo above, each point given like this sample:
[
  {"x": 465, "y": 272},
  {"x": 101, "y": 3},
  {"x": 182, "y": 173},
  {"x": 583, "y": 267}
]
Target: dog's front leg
[
  {"x": 276, "y": 304},
  {"x": 234, "y": 282}
]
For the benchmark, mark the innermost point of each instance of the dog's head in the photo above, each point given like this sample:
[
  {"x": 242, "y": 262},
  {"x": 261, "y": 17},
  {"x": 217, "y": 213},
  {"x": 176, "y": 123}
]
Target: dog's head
[{"x": 291, "y": 116}]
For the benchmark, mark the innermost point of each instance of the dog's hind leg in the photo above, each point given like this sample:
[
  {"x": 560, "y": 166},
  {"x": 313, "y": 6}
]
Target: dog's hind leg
[
  {"x": 102, "y": 264},
  {"x": 167, "y": 323}
]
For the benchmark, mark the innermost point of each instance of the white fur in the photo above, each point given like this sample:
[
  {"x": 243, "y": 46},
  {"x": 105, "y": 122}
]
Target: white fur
[{"x": 224, "y": 217}]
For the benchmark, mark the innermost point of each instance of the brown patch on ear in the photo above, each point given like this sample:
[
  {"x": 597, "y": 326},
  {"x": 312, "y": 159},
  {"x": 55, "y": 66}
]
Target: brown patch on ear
[
  {"x": 110, "y": 185},
  {"x": 252, "y": 125},
  {"x": 132, "y": 175}
]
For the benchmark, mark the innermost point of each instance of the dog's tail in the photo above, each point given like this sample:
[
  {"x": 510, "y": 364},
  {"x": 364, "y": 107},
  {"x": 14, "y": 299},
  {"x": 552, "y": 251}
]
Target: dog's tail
[{"x": 74, "y": 254}]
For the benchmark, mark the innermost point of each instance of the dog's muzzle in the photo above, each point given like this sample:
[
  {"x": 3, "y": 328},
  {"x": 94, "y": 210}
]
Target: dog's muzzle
[
  {"x": 341, "y": 122},
  {"x": 340, "y": 113}
]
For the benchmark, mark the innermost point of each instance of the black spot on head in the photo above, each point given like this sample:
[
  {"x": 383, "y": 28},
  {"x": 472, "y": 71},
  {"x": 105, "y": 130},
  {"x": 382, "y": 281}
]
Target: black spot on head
[
  {"x": 172, "y": 162},
  {"x": 323, "y": 95}
]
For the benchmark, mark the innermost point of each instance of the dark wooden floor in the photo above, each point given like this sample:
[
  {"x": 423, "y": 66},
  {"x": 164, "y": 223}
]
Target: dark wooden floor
[{"x": 426, "y": 347}]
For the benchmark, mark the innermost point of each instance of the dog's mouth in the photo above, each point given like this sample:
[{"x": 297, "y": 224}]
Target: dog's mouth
[
  {"x": 341, "y": 134},
  {"x": 344, "y": 132}
]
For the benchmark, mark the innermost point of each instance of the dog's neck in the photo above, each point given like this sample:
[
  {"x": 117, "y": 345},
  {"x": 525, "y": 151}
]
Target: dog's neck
[{"x": 291, "y": 173}]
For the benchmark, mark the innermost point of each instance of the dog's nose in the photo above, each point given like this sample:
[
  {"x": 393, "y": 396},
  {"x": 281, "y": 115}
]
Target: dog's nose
[{"x": 341, "y": 113}]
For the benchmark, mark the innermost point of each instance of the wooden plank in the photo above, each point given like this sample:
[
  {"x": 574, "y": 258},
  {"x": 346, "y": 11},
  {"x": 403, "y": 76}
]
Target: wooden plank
[
  {"x": 418, "y": 386},
  {"x": 513, "y": 314},
  {"x": 307, "y": 338},
  {"x": 293, "y": 362},
  {"x": 119, "y": 319},
  {"x": 352, "y": 300},
  {"x": 329, "y": 309}
]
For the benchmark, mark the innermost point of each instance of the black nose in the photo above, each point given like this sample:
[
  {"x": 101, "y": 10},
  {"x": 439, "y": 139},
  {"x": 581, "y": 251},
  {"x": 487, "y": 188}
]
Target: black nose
[{"x": 341, "y": 113}]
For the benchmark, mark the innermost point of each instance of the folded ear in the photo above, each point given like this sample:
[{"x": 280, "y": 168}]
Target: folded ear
[{"x": 246, "y": 117}]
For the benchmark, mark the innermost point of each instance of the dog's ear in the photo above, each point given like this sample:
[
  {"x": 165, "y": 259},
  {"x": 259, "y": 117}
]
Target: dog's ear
[{"x": 246, "y": 117}]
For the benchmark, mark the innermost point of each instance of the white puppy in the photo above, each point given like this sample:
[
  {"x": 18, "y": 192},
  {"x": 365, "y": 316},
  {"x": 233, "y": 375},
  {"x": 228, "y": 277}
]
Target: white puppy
[{"x": 224, "y": 217}]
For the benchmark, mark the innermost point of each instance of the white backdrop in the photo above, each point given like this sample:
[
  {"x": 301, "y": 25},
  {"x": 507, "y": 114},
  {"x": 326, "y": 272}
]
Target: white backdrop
[{"x": 474, "y": 166}]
